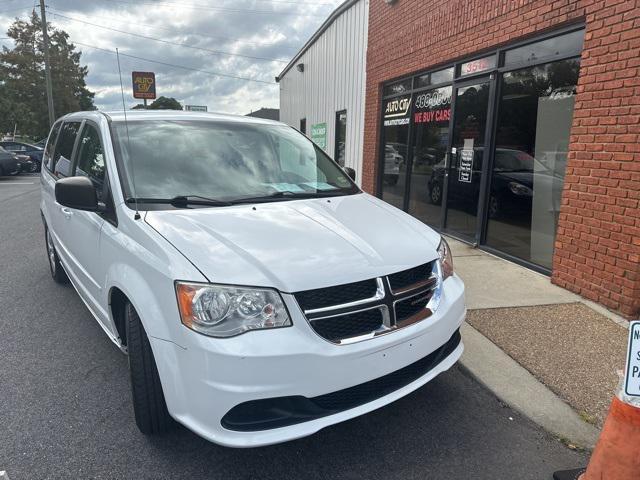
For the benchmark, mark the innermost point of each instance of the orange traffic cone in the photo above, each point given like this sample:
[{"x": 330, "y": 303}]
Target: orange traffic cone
[{"x": 617, "y": 453}]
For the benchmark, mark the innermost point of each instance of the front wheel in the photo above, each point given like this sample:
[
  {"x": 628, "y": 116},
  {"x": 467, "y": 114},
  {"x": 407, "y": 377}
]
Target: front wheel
[{"x": 149, "y": 406}]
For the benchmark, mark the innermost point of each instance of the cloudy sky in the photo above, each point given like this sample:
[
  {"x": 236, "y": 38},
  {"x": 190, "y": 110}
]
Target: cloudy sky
[{"x": 251, "y": 39}]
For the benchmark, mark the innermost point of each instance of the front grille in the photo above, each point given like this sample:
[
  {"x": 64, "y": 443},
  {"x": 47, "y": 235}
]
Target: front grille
[
  {"x": 268, "y": 413},
  {"x": 349, "y": 325},
  {"x": 340, "y": 294},
  {"x": 402, "y": 280},
  {"x": 376, "y": 306}
]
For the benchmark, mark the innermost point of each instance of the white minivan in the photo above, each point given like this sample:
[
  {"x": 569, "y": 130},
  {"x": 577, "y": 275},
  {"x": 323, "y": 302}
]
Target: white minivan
[{"x": 259, "y": 293}]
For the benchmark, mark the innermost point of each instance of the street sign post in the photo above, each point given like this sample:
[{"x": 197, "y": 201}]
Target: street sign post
[
  {"x": 195, "y": 108},
  {"x": 632, "y": 373},
  {"x": 144, "y": 85}
]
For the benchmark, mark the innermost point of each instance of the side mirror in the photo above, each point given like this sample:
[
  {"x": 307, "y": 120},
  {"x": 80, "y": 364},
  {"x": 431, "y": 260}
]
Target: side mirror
[
  {"x": 78, "y": 193},
  {"x": 351, "y": 172}
]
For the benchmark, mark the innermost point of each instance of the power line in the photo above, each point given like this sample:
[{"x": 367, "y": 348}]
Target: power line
[
  {"x": 217, "y": 9},
  {"x": 156, "y": 27},
  {"x": 14, "y": 9},
  {"x": 215, "y": 52},
  {"x": 216, "y": 74}
]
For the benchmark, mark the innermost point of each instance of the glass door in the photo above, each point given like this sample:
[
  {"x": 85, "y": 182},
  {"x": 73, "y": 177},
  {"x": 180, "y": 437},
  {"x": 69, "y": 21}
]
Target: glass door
[{"x": 464, "y": 173}]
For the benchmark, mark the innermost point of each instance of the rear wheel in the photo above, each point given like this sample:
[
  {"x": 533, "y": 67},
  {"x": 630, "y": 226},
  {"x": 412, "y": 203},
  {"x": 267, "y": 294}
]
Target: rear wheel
[
  {"x": 57, "y": 272},
  {"x": 149, "y": 406}
]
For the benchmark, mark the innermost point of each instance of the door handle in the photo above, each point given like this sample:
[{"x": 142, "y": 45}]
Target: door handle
[{"x": 66, "y": 212}]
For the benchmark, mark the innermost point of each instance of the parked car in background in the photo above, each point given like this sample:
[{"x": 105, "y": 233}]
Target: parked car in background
[
  {"x": 393, "y": 162},
  {"x": 513, "y": 177},
  {"x": 9, "y": 163},
  {"x": 260, "y": 294},
  {"x": 33, "y": 152}
]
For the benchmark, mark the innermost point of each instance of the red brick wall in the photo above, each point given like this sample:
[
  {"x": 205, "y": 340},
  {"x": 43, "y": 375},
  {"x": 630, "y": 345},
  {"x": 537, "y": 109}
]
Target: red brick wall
[{"x": 597, "y": 250}]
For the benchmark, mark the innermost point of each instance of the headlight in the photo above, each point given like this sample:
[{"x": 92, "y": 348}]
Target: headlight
[
  {"x": 520, "y": 190},
  {"x": 446, "y": 260},
  {"x": 442, "y": 269},
  {"x": 225, "y": 311}
]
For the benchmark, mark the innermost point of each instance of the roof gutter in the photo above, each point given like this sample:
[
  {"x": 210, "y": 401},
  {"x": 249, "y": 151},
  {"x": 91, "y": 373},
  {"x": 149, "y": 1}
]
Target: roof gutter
[{"x": 346, "y": 5}]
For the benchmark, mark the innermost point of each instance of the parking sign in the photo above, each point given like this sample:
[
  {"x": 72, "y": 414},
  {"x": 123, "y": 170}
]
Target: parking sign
[{"x": 632, "y": 378}]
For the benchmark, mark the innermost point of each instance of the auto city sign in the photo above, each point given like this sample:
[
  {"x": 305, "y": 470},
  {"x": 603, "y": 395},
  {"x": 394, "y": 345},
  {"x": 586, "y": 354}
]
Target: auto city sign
[{"x": 144, "y": 85}]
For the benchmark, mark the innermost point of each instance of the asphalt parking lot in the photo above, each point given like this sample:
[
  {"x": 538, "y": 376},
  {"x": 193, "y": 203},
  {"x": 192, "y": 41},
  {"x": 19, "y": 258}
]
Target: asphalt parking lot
[{"x": 65, "y": 407}]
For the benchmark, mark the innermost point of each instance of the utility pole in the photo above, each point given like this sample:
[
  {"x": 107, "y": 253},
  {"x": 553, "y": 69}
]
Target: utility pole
[{"x": 47, "y": 64}]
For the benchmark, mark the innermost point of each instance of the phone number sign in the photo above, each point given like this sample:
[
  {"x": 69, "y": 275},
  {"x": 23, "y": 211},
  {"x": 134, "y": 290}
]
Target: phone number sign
[{"x": 144, "y": 85}]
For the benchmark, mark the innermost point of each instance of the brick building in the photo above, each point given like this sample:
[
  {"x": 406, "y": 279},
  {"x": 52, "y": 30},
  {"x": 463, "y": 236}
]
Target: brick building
[{"x": 514, "y": 126}]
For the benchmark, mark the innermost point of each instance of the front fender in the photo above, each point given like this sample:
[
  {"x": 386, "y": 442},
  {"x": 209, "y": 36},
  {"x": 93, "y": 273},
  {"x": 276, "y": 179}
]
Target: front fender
[{"x": 155, "y": 304}]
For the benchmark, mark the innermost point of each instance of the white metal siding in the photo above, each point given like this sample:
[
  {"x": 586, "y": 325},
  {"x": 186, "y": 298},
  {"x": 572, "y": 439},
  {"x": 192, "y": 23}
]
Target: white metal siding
[{"x": 333, "y": 80}]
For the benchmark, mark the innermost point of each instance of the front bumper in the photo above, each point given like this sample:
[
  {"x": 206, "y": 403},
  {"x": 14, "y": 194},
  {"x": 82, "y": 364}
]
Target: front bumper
[{"x": 206, "y": 378}]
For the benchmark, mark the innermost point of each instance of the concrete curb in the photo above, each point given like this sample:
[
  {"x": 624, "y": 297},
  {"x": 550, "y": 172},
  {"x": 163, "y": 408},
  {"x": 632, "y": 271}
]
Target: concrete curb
[{"x": 515, "y": 386}]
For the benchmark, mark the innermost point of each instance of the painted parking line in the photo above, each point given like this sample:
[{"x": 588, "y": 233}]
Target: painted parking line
[
  {"x": 17, "y": 183},
  {"x": 3, "y": 475}
]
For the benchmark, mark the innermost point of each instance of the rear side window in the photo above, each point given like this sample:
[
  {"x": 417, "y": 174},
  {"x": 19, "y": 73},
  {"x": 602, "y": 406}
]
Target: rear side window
[
  {"x": 64, "y": 149},
  {"x": 91, "y": 159},
  {"x": 51, "y": 143}
]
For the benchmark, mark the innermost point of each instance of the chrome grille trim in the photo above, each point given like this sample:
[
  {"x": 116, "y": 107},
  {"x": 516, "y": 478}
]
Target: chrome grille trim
[
  {"x": 380, "y": 294},
  {"x": 428, "y": 282},
  {"x": 384, "y": 300}
]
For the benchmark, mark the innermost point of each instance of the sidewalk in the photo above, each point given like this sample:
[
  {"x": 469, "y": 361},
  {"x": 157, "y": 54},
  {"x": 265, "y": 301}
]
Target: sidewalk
[{"x": 570, "y": 345}]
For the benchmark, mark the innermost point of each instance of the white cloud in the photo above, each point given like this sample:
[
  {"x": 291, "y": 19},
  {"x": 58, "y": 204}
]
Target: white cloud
[{"x": 277, "y": 35}]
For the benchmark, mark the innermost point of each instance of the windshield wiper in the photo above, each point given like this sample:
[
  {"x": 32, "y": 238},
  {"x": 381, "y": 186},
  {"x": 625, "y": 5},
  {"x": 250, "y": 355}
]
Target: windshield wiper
[
  {"x": 181, "y": 201},
  {"x": 287, "y": 194}
]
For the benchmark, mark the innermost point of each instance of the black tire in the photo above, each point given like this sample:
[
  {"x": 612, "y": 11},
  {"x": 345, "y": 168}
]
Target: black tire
[
  {"x": 149, "y": 406},
  {"x": 55, "y": 267},
  {"x": 435, "y": 193}
]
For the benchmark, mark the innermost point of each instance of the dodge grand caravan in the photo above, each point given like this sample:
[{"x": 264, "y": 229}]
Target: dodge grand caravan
[{"x": 259, "y": 293}]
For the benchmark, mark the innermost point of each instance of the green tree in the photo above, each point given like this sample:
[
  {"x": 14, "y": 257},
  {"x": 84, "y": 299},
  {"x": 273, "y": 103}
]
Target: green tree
[
  {"x": 23, "y": 98},
  {"x": 165, "y": 103}
]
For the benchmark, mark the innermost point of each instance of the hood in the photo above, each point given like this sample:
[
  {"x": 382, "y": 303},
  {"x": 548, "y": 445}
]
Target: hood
[{"x": 298, "y": 244}]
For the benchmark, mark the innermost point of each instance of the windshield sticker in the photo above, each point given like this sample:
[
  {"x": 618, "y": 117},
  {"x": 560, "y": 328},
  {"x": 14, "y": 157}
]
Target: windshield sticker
[
  {"x": 320, "y": 185},
  {"x": 285, "y": 187}
]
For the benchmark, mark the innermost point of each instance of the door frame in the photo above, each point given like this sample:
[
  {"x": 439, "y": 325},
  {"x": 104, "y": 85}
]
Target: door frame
[{"x": 487, "y": 158}]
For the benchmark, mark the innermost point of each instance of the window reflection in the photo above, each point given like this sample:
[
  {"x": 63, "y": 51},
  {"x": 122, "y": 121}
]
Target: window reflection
[
  {"x": 532, "y": 138},
  {"x": 394, "y": 154}
]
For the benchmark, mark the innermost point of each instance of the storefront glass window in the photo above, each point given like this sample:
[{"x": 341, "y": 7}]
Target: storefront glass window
[
  {"x": 568, "y": 44},
  {"x": 432, "y": 111},
  {"x": 394, "y": 154},
  {"x": 398, "y": 87},
  {"x": 532, "y": 139},
  {"x": 435, "y": 78},
  {"x": 341, "y": 136}
]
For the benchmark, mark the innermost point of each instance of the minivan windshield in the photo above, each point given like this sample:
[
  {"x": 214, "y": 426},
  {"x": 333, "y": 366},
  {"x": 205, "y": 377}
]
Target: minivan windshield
[{"x": 224, "y": 161}]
